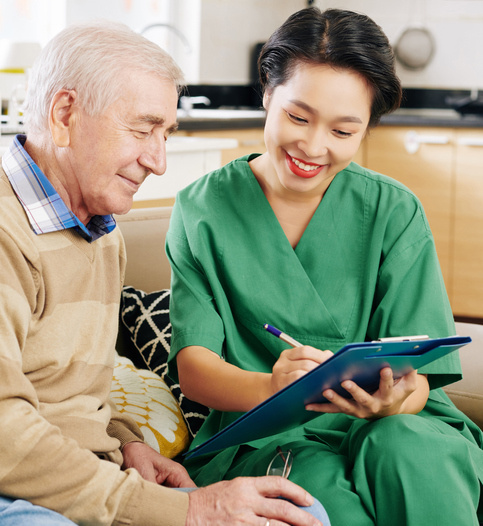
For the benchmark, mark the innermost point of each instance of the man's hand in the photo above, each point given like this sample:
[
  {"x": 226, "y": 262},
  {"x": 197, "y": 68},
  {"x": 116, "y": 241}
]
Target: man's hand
[
  {"x": 248, "y": 500},
  {"x": 154, "y": 467}
]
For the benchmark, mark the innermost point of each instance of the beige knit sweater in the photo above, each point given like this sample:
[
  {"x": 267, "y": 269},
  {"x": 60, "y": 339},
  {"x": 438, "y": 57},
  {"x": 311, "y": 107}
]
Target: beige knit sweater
[{"x": 59, "y": 301}]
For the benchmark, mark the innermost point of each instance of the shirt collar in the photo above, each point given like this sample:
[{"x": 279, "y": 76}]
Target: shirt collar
[{"x": 43, "y": 205}]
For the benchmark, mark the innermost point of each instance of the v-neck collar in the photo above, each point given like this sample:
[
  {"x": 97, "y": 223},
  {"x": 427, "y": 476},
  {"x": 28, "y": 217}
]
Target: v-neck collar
[
  {"x": 280, "y": 269},
  {"x": 260, "y": 195}
]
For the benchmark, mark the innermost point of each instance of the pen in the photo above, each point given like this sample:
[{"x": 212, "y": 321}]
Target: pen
[{"x": 284, "y": 337}]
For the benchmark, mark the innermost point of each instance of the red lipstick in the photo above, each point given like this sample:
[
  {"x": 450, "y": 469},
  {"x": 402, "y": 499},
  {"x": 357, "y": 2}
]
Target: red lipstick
[{"x": 300, "y": 172}]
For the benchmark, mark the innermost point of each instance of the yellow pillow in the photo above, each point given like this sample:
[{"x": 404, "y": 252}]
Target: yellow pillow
[{"x": 145, "y": 397}]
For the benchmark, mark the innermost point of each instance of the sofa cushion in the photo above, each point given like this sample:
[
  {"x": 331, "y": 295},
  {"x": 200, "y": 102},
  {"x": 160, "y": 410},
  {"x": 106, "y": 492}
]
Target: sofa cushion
[
  {"x": 146, "y": 317},
  {"x": 146, "y": 398}
]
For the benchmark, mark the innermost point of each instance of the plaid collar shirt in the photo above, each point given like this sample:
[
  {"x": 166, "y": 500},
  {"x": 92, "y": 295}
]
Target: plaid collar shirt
[{"x": 43, "y": 205}]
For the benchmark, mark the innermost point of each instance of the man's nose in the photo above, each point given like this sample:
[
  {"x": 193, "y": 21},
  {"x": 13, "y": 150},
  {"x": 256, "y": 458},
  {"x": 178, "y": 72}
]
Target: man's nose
[{"x": 153, "y": 157}]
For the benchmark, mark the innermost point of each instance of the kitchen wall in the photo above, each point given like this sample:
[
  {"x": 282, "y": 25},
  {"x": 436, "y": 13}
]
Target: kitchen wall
[
  {"x": 219, "y": 35},
  {"x": 226, "y": 31},
  {"x": 230, "y": 29},
  {"x": 457, "y": 28}
]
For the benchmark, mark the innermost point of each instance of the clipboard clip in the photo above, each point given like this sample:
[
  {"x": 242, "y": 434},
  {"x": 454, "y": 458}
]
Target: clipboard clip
[{"x": 403, "y": 338}]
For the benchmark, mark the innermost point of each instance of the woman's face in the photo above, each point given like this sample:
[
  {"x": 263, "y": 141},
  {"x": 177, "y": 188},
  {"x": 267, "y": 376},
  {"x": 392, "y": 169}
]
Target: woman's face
[{"x": 315, "y": 124}]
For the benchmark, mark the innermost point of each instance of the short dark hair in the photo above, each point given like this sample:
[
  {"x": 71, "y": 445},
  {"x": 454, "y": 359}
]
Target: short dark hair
[{"x": 341, "y": 39}]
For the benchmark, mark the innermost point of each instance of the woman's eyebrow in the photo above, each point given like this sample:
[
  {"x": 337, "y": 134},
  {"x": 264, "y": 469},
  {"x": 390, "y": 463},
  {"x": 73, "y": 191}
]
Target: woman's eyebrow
[
  {"x": 313, "y": 111},
  {"x": 304, "y": 106}
]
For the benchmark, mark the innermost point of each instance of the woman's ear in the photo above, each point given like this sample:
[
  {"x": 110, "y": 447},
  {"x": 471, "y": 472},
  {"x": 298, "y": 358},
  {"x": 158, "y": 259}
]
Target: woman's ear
[
  {"x": 266, "y": 99},
  {"x": 62, "y": 113}
]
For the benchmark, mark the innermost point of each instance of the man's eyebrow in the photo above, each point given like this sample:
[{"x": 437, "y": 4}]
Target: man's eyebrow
[
  {"x": 155, "y": 120},
  {"x": 313, "y": 111}
]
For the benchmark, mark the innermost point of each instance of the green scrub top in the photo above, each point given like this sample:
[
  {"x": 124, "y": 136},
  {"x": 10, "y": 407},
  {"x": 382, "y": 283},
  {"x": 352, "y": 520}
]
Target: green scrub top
[{"x": 366, "y": 267}]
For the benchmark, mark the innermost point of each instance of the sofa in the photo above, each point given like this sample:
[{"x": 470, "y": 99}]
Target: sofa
[{"x": 144, "y": 327}]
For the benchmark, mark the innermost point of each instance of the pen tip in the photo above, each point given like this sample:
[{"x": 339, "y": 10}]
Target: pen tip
[{"x": 265, "y": 326}]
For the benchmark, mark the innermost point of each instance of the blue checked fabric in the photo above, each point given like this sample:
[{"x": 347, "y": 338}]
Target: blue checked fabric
[{"x": 43, "y": 205}]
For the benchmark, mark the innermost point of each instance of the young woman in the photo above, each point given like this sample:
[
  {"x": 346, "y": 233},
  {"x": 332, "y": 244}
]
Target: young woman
[{"x": 331, "y": 253}]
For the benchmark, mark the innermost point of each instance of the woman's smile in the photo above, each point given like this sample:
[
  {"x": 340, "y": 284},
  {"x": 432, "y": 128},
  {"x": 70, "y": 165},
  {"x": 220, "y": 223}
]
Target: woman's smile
[{"x": 303, "y": 168}]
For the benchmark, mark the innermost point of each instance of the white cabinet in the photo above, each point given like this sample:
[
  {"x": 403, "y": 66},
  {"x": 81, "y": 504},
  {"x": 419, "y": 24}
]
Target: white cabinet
[{"x": 188, "y": 158}]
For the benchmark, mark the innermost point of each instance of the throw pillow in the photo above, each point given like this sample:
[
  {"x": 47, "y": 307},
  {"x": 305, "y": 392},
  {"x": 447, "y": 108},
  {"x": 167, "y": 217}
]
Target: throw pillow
[
  {"x": 146, "y": 317},
  {"x": 144, "y": 396}
]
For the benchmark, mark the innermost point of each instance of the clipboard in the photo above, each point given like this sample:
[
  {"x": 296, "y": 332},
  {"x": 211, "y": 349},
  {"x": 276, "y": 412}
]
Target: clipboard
[{"x": 359, "y": 362}]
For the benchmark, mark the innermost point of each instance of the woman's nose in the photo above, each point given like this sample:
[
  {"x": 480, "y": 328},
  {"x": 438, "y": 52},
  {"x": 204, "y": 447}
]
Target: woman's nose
[{"x": 315, "y": 143}]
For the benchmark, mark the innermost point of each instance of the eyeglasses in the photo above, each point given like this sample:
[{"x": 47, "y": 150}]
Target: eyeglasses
[{"x": 281, "y": 463}]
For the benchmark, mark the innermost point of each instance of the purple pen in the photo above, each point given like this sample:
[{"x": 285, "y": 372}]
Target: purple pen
[{"x": 279, "y": 334}]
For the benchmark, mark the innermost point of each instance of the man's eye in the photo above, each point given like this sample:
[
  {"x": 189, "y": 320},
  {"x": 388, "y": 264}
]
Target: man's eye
[{"x": 141, "y": 134}]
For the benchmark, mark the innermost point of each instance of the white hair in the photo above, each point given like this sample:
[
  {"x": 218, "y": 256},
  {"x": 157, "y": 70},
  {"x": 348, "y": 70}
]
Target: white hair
[{"x": 92, "y": 59}]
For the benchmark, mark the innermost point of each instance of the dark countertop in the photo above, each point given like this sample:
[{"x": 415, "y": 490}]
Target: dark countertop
[
  {"x": 403, "y": 117},
  {"x": 205, "y": 124},
  {"x": 432, "y": 118},
  {"x": 420, "y": 107}
]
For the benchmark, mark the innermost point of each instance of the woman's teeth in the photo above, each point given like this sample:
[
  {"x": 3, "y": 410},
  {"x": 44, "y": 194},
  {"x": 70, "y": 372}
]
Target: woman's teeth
[{"x": 305, "y": 167}]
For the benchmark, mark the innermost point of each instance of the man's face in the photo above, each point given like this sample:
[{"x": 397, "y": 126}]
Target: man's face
[{"x": 109, "y": 156}]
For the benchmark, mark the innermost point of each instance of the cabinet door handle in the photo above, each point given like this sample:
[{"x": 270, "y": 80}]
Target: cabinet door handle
[
  {"x": 250, "y": 142},
  {"x": 470, "y": 141},
  {"x": 413, "y": 140}
]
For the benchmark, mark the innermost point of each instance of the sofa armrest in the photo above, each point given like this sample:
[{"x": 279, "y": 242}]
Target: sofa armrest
[
  {"x": 467, "y": 394},
  {"x": 144, "y": 231}
]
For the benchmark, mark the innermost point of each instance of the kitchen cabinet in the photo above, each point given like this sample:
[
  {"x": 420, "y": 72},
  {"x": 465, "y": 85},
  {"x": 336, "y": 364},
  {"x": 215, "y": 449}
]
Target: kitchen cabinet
[
  {"x": 421, "y": 159},
  {"x": 467, "y": 297},
  {"x": 443, "y": 167}
]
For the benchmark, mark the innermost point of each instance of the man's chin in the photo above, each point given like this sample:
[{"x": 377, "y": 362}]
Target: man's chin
[{"x": 120, "y": 207}]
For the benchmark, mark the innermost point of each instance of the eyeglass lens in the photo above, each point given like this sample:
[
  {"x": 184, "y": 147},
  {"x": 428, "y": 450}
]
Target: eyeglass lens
[{"x": 281, "y": 463}]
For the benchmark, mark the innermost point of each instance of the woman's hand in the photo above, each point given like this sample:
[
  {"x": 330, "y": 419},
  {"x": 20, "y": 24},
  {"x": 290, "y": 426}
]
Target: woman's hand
[
  {"x": 408, "y": 394},
  {"x": 294, "y": 363}
]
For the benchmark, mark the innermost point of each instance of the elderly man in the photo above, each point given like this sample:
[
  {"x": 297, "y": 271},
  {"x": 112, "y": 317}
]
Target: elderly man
[{"x": 100, "y": 106}]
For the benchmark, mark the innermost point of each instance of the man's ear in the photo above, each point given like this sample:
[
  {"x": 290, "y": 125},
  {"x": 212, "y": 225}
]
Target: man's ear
[{"x": 62, "y": 116}]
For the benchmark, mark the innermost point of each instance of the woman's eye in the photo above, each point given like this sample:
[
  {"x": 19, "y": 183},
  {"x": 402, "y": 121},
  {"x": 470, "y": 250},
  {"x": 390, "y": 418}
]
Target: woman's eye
[
  {"x": 341, "y": 133},
  {"x": 296, "y": 119}
]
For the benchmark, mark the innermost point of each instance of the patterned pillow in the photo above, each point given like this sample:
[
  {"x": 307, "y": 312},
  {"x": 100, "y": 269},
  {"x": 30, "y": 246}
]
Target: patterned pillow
[
  {"x": 144, "y": 396},
  {"x": 146, "y": 316}
]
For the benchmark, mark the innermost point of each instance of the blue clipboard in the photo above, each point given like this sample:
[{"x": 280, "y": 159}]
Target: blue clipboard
[{"x": 360, "y": 362}]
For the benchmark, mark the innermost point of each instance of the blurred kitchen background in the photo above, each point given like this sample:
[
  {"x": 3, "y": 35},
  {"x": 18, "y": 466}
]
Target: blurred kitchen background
[{"x": 434, "y": 144}]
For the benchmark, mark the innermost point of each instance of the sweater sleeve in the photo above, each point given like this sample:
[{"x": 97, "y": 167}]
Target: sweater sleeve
[{"x": 123, "y": 427}]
